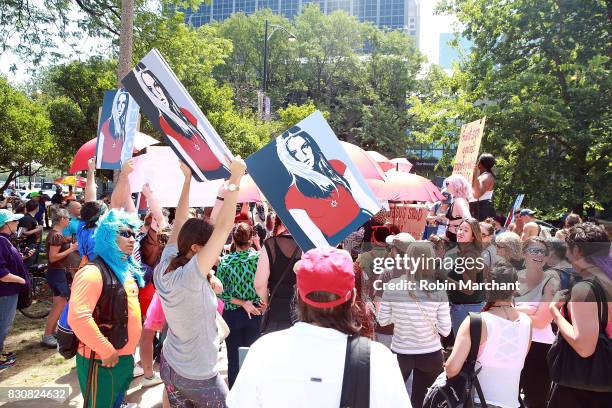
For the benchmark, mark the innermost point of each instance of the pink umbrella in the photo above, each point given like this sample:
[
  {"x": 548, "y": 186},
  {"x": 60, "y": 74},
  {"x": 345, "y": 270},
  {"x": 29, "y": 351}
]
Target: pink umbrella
[
  {"x": 249, "y": 193},
  {"x": 88, "y": 150},
  {"x": 368, "y": 168},
  {"x": 399, "y": 186},
  {"x": 384, "y": 163},
  {"x": 401, "y": 164}
]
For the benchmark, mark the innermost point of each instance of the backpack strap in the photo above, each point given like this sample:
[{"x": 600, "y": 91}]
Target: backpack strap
[
  {"x": 475, "y": 333},
  {"x": 602, "y": 305},
  {"x": 356, "y": 379}
]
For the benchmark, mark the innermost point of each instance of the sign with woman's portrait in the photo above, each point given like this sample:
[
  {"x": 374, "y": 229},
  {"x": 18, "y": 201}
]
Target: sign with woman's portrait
[
  {"x": 175, "y": 114},
  {"x": 116, "y": 129},
  {"x": 312, "y": 184}
]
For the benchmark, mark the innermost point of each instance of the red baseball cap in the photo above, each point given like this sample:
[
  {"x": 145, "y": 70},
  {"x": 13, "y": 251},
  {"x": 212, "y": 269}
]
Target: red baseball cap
[{"x": 327, "y": 270}]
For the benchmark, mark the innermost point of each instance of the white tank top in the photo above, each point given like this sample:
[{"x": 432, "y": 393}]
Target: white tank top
[
  {"x": 502, "y": 357},
  {"x": 532, "y": 299}
]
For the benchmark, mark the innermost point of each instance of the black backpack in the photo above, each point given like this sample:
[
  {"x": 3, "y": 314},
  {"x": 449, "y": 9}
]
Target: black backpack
[{"x": 458, "y": 392}]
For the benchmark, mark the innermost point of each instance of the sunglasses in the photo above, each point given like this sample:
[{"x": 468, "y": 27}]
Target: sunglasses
[
  {"x": 537, "y": 251},
  {"x": 127, "y": 234},
  {"x": 500, "y": 246}
]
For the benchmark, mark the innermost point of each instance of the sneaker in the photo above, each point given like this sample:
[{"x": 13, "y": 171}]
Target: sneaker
[
  {"x": 152, "y": 381},
  {"x": 6, "y": 362},
  {"x": 138, "y": 371},
  {"x": 49, "y": 341},
  {"x": 126, "y": 404}
]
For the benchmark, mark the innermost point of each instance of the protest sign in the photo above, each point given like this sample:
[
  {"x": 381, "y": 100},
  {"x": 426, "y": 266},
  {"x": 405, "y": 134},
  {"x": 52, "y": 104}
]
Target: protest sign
[
  {"x": 117, "y": 125},
  {"x": 311, "y": 183},
  {"x": 409, "y": 218},
  {"x": 467, "y": 149},
  {"x": 160, "y": 168},
  {"x": 175, "y": 114}
]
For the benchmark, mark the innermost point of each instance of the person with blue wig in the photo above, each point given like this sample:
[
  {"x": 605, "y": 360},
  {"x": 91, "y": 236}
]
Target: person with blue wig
[{"x": 104, "y": 311}]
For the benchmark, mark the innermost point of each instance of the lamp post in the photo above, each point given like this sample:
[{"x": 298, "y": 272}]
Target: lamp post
[{"x": 264, "y": 79}]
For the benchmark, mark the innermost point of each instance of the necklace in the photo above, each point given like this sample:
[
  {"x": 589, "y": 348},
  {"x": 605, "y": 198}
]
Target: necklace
[{"x": 334, "y": 201}]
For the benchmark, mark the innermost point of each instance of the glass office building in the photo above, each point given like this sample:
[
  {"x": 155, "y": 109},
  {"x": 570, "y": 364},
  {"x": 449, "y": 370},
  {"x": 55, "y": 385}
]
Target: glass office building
[{"x": 394, "y": 14}]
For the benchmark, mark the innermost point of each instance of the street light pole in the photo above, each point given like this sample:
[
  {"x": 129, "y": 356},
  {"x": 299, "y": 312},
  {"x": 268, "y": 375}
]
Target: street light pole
[
  {"x": 265, "y": 61},
  {"x": 261, "y": 100}
]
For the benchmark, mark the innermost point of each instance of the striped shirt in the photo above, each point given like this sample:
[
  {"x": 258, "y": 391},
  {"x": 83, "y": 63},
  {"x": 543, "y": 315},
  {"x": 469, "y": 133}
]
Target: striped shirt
[{"x": 414, "y": 319}]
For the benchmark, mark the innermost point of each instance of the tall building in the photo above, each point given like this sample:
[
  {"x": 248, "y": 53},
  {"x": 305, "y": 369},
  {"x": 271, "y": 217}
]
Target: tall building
[{"x": 395, "y": 14}]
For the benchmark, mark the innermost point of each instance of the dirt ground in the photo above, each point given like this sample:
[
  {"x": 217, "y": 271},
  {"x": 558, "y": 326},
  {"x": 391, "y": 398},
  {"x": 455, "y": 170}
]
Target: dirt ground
[{"x": 36, "y": 365}]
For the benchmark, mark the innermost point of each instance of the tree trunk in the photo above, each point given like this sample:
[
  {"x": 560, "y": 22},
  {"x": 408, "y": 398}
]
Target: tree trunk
[
  {"x": 12, "y": 175},
  {"x": 126, "y": 39}
]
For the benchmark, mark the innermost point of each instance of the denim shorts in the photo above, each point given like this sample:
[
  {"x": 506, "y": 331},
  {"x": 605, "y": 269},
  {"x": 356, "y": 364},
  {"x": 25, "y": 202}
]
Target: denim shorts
[{"x": 58, "y": 282}]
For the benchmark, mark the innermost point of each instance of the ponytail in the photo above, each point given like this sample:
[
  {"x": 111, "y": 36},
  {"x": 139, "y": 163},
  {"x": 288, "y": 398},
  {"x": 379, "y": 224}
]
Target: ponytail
[{"x": 178, "y": 261}]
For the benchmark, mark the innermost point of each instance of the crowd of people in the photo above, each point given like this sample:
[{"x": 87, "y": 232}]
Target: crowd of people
[{"x": 329, "y": 327}]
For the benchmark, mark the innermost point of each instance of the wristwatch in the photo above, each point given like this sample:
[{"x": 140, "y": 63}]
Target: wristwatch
[{"x": 231, "y": 187}]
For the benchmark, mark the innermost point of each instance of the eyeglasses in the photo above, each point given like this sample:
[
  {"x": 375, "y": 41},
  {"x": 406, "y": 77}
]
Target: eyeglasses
[
  {"x": 500, "y": 246},
  {"x": 537, "y": 251},
  {"x": 127, "y": 234}
]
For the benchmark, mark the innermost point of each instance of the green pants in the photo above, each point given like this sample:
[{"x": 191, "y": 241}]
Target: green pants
[{"x": 109, "y": 385}]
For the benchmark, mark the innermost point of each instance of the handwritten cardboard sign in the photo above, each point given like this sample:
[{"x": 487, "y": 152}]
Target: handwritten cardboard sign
[
  {"x": 409, "y": 218},
  {"x": 467, "y": 150}
]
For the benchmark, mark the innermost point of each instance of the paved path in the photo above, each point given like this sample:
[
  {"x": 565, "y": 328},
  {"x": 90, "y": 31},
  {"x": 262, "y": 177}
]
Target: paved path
[{"x": 143, "y": 397}]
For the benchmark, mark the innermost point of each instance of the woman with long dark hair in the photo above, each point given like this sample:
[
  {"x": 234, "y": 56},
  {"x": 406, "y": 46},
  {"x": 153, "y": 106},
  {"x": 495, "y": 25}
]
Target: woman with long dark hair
[
  {"x": 182, "y": 129},
  {"x": 324, "y": 197},
  {"x": 242, "y": 311},
  {"x": 482, "y": 188},
  {"x": 187, "y": 290},
  {"x": 112, "y": 132},
  {"x": 274, "y": 279},
  {"x": 469, "y": 268}
]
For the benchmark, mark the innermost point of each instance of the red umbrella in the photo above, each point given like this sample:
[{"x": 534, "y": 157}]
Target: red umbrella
[
  {"x": 384, "y": 163},
  {"x": 88, "y": 150},
  {"x": 368, "y": 168},
  {"x": 400, "y": 186}
]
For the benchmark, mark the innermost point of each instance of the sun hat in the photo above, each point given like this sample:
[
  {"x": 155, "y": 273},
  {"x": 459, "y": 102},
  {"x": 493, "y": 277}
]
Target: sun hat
[
  {"x": 8, "y": 216},
  {"x": 325, "y": 270}
]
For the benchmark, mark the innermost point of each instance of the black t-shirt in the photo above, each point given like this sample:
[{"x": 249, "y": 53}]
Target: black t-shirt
[
  {"x": 28, "y": 223},
  {"x": 57, "y": 198}
]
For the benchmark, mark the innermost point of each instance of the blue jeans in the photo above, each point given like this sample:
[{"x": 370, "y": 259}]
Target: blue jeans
[
  {"x": 459, "y": 312},
  {"x": 8, "y": 307}
]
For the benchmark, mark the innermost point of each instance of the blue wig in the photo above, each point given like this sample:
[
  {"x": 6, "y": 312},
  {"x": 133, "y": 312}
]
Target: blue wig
[{"x": 106, "y": 245}]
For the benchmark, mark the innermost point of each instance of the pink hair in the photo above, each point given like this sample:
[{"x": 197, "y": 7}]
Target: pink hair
[{"x": 458, "y": 186}]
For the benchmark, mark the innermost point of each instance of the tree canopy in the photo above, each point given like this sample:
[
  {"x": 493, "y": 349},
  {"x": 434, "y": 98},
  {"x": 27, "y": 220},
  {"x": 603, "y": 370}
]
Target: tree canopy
[
  {"x": 25, "y": 133},
  {"x": 540, "y": 73}
]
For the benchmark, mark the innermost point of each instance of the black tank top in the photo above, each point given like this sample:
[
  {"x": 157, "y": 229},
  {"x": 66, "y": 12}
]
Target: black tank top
[{"x": 280, "y": 304}]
